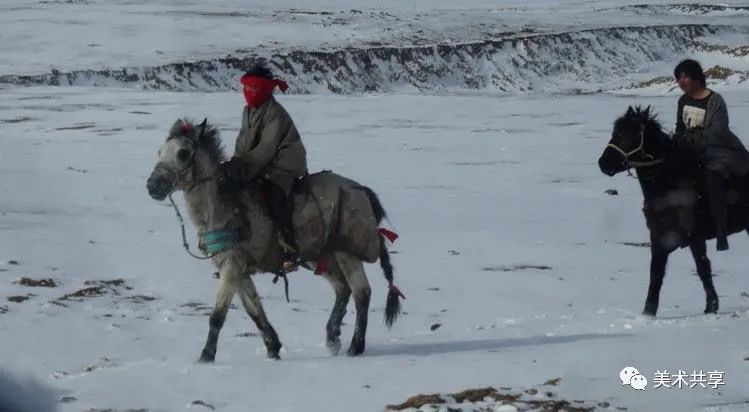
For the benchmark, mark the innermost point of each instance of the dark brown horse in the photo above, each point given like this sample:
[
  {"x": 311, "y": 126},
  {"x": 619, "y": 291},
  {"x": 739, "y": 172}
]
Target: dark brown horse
[{"x": 675, "y": 206}]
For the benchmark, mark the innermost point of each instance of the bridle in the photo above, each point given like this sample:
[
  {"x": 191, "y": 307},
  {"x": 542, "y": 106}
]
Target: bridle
[
  {"x": 179, "y": 176},
  {"x": 639, "y": 149}
]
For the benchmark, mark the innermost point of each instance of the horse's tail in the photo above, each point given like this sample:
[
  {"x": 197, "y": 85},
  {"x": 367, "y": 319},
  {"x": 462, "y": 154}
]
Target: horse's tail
[{"x": 393, "y": 304}]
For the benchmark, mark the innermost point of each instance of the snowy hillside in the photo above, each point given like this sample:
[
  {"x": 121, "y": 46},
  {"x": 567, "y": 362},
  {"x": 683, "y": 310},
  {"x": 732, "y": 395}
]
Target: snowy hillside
[
  {"x": 524, "y": 279},
  {"x": 362, "y": 47}
]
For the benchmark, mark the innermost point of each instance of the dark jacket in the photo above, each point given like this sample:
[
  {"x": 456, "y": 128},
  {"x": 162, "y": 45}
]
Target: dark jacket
[
  {"x": 722, "y": 151},
  {"x": 270, "y": 145}
]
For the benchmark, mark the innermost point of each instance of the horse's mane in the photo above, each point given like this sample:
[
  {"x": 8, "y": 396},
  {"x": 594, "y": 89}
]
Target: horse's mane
[
  {"x": 645, "y": 116},
  {"x": 210, "y": 141}
]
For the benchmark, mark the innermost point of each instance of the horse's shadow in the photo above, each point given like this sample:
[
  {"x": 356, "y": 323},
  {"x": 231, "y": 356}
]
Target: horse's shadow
[{"x": 427, "y": 349}]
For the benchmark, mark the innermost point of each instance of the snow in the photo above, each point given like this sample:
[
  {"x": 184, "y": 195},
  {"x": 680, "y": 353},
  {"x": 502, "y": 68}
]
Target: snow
[
  {"x": 499, "y": 181},
  {"x": 517, "y": 266}
]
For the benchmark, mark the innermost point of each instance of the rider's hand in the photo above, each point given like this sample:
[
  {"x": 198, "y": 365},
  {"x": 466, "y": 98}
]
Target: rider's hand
[{"x": 234, "y": 169}]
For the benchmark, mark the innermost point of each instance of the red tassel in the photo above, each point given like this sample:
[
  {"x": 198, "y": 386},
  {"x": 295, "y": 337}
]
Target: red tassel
[
  {"x": 322, "y": 265},
  {"x": 186, "y": 128},
  {"x": 394, "y": 289},
  {"x": 389, "y": 234},
  {"x": 281, "y": 84}
]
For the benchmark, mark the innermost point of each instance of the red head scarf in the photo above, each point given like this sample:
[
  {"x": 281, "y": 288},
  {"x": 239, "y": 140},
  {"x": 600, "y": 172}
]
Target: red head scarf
[{"x": 258, "y": 89}]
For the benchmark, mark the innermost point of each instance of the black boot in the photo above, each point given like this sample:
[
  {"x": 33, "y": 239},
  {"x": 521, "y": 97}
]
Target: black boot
[
  {"x": 718, "y": 209},
  {"x": 280, "y": 211}
]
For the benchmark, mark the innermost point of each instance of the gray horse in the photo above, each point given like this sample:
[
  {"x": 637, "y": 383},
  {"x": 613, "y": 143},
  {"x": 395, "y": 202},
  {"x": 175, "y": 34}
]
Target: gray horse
[{"x": 336, "y": 223}]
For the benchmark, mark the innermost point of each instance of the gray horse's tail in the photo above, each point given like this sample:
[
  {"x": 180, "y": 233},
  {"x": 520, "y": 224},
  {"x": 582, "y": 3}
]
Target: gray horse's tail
[{"x": 393, "y": 304}]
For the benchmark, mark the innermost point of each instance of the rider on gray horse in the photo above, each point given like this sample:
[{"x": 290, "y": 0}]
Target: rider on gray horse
[{"x": 268, "y": 148}]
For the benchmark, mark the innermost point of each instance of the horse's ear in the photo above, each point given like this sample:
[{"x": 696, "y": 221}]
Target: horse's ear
[
  {"x": 176, "y": 128},
  {"x": 645, "y": 114},
  {"x": 201, "y": 128},
  {"x": 630, "y": 111}
]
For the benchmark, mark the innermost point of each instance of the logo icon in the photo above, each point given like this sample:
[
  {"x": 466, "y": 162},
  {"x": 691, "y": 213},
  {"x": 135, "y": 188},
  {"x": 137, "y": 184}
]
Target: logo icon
[
  {"x": 631, "y": 377},
  {"x": 627, "y": 373},
  {"x": 639, "y": 382}
]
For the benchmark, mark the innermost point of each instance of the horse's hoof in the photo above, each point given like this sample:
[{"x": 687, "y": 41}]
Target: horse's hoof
[
  {"x": 205, "y": 358},
  {"x": 650, "y": 310},
  {"x": 355, "y": 350},
  {"x": 711, "y": 307},
  {"x": 274, "y": 355},
  {"x": 334, "y": 347},
  {"x": 721, "y": 244}
]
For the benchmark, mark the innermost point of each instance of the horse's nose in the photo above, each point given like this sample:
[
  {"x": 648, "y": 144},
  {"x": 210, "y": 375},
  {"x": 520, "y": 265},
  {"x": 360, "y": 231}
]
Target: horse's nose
[
  {"x": 605, "y": 165},
  {"x": 157, "y": 187}
]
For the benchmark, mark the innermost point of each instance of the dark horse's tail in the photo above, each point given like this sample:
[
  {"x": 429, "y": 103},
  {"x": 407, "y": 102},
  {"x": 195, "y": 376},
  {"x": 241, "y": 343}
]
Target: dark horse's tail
[{"x": 393, "y": 304}]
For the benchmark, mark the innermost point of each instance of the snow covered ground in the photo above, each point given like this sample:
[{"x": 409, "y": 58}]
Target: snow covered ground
[
  {"x": 517, "y": 266},
  {"x": 477, "y": 186}
]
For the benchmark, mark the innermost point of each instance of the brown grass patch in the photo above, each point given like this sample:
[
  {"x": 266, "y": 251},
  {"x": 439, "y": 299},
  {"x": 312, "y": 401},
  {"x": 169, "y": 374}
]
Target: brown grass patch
[{"x": 36, "y": 283}]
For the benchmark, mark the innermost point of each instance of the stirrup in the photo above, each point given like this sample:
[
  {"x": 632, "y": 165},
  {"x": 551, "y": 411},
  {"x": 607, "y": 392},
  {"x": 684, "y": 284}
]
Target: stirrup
[{"x": 289, "y": 266}]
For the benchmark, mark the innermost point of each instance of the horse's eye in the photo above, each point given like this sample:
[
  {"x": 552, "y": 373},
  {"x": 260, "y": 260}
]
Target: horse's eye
[{"x": 183, "y": 155}]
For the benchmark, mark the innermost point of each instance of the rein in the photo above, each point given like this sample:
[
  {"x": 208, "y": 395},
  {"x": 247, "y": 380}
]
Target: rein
[{"x": 184, "y": 236}]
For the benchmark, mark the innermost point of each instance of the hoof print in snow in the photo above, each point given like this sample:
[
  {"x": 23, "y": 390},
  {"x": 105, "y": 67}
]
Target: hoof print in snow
[
  {"x": 3, "y": 309},
  {"x": 453, "y": 252},
  {"x": 19, "y": 299},
  {"x": 203, "y": 404},
  {"x": 68, "y": 399},
  {"x": 612, "y": 192},
  {"x": 435, "y": 327},
  {"x": 101, "y": 364},
  {"x": 13, "y": 263},
  {"x": 434, "y": 289},
  {"x": 744, "y": 295},
  {"x": 73, "y": 169},
  {"x": 36, "y": 283}
]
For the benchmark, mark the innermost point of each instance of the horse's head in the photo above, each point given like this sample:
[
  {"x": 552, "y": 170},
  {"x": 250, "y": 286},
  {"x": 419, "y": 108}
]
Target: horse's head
[
  {"x": 188, "y": 152},
  {"x": 635, "y": 142}
]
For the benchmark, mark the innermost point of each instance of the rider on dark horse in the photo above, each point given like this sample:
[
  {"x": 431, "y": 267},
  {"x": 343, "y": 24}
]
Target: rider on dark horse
[
  {"x": 702, "y": 126},
  {"x": 268, "y": 149}
]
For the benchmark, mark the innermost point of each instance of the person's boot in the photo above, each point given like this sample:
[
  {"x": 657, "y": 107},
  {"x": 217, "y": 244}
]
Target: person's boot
[
  {"x": 718, "y": 209},
  {"x": 288, "y": 254}
]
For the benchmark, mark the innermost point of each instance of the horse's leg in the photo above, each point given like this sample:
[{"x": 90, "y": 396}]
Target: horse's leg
[
  {"x": 699, "y": 253},
  {"x": 254, "y": 308},
  {"x": 226, "y": 289},
  {"x": 658, "y": 260},
  {"x": 353, "y": 271},
  {"x": 342, "y": 295}
]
